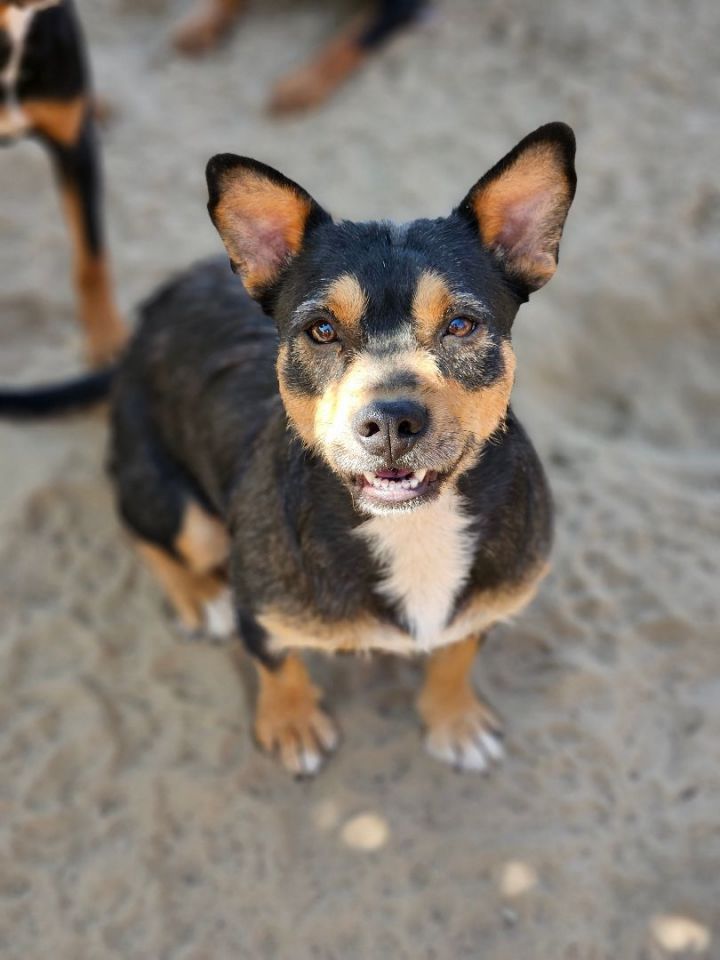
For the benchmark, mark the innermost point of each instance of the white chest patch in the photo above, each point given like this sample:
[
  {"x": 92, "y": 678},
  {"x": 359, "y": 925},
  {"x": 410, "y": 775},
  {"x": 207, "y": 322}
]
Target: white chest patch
[
  {"x": 426, "y": 555},
  {"x": 16, "y": 24}
]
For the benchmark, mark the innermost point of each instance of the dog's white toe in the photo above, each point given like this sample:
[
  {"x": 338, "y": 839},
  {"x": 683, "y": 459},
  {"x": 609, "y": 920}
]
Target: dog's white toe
[
  {"x": 219, "y": 616},
  {"x": 467, "y": 740}
]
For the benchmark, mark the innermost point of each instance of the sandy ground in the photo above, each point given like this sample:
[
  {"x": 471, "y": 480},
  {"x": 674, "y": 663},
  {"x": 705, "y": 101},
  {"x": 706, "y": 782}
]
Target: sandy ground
[{"x": 136, "y": 818}]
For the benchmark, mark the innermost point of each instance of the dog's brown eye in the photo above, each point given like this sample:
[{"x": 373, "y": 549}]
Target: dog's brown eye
[
  {"x": 460, "y": 327},
  {"x": 323, "y": 332}
]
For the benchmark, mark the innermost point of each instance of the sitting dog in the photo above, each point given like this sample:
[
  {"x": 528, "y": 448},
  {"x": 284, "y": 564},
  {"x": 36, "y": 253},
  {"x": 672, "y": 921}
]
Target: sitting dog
[
  {"x": 353, "y": 460},
  {"x": 45, "y": 92},
  {"x": 311, "y": 84}
]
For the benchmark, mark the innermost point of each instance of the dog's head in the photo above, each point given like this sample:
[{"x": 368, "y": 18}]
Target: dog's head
[{"x": 395, "y": 360}]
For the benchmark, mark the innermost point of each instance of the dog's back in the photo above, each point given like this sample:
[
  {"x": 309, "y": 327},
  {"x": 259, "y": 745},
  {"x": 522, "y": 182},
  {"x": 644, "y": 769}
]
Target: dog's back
[{"x": 202, "y": 347}]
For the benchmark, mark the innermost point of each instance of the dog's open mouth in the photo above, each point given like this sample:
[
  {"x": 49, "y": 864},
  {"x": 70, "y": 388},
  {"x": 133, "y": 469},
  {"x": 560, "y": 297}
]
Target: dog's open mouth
[{"x": 396, "y": 486}]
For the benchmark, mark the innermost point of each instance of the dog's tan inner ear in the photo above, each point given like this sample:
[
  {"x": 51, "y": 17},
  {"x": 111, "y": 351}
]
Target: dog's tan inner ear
[
  {"x": 262, "y": 224},
  {"x": 521, "y": 212}
]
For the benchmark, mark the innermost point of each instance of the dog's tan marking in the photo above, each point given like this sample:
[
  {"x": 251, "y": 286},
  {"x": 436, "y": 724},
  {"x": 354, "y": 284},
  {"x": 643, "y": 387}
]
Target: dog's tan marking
[
  {"x": 452, "y": 407},
  {"x": 203, "y": 541},
  {"x": 188, "y": 592},
  {"x": 366, "y": 634},
  {"x": 261, "y": 223},
  {"x": 341, "y": 400},
  {"x": 322, "y": 420},
  {"x": 448, "y": 686},
  {"x": 347, "y": 300},
  {"x": 522, "y": 211},
  {"x": 105, "y": 332},
  {"x": 206, "y": 24},
  {"x": 461, "y": 729},
  {"x": 289, "y": 720},
  {"x": 431, "y": 302},
  {"x": 325, "y": 422},
  {"x": 300, "y": 407},
  {"x": 311, "y": 84},
  {"x": 482, "y": 411},
  {"x": 455, "y": 409},
  {"x": 60, "y": 120},
  {"x": 306, "y": 631}
]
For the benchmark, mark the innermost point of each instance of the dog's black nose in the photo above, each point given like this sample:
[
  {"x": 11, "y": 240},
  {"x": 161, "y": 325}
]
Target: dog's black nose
[{"x": 390, "y": 427}]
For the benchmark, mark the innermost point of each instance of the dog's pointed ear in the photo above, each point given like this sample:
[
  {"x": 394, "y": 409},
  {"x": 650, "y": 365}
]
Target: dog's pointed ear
[
  {"x": 262, "y": 217},
  {"x": 520, "y": 206}
]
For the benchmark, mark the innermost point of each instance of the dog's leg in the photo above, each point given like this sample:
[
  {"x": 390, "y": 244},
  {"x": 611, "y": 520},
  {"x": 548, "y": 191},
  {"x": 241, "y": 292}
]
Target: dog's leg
[
  {"x": 288, "y": 719},
  {"x": 188, "y": 592},
  {"x": 314, "y": 82},
  {"x": 69, "y": 131},
  {"x": 193, "y": 579},
  {"x": 206, "y": 24},
  {"x": 461, "y": 729}
]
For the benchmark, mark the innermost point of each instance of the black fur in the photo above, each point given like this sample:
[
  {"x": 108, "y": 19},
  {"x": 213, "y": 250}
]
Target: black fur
[
  {"x": 55, "y": 399},
  {"x": 387, "y": 260},
  {"x": 54, "y": 65},
  {"x": 77, "y": 166},
  {"x": 390, "y": 16},
  {"x": 54, "y": 69}
]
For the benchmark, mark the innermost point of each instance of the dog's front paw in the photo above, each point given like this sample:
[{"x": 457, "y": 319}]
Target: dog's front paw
[
  {"x": 289, "y": 720},
  {"x": 468, "y": 737},
  {"x": 302, "y": 740}
]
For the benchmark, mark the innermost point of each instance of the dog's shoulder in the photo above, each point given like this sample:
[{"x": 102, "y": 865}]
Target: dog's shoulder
[
  {"x": 508, "y": 496},
  {"x": 199, "y": 317}
]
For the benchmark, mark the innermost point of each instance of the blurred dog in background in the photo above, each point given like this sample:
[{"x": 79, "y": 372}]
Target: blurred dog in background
[
  {"x": 45, "y": 92},
  {"x": 317, "y": 80}
]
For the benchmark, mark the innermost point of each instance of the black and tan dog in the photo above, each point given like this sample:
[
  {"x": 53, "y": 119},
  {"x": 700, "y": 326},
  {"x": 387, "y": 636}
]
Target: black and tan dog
[
  {"x": 45, "y": 92},
  {"x": 313, "y": 82},
  {"x": 355, "y": 464}
]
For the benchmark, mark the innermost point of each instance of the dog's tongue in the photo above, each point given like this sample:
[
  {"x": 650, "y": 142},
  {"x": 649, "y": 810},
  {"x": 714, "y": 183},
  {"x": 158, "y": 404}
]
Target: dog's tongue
[{"x": 393, "y": 474}]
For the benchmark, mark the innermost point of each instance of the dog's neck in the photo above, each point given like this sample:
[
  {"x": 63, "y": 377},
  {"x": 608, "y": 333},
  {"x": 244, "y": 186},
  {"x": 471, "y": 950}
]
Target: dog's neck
[
  {"x": 422, "y": 557},
  {"x": 425, "y": 555}
]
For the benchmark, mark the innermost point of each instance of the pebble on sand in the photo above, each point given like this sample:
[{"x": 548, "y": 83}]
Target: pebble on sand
[
  {"x": 678, "y": 934},
  {"x": 367, "y": 831},
  {"x": 517, "y": 878}
]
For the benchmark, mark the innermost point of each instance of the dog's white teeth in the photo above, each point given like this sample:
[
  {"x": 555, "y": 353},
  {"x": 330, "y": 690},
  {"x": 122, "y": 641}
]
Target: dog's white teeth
[
  {"x": 406, "y": 483},
  {"x": 376, "y": 481}
]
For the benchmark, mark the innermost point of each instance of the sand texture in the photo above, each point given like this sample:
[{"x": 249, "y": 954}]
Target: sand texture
[{"x": 137, "y": 820}]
